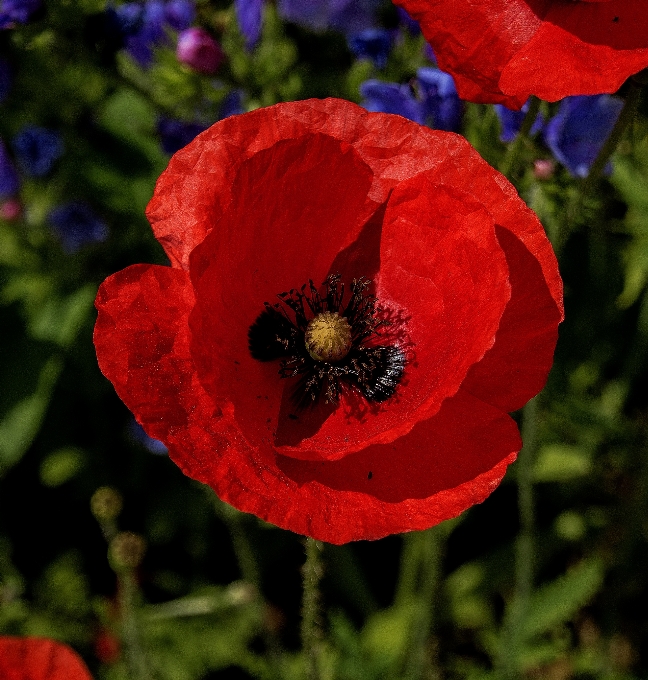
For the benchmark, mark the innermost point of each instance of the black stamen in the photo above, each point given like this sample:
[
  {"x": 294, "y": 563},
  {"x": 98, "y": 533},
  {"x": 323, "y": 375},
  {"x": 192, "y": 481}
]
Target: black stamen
[{"x": 277, "y": 334}]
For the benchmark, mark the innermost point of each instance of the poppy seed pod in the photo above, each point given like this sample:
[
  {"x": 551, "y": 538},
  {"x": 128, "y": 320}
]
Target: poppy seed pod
[{"x": 355, "y": 302}]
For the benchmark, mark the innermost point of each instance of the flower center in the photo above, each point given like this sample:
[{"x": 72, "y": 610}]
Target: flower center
[
  {"x": 328, "y": 337},
  {"x": 328, "y": 343}
]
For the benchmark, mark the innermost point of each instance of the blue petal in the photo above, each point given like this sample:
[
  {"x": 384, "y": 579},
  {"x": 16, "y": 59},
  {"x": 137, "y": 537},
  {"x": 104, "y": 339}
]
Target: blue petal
[
  {"x": 249, "y": 14},
  {"x": 175, "y": 134},
  {"x": 372, "y": 43},
  {"x": 391, "y": 98},
  {"x": 37, "y": 149},
  {"x": 442, "y": 107},
  {"x": 511, "y": 122},
  {"x": 180, "y": 14},
  {"x": 76, "y": 225},
  {"x": 578, "y": 131},
  {"x": 231, "y": 105}
]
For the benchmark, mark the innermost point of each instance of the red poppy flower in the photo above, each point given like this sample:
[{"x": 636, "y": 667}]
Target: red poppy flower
[
  {"x": 339, "y": 414},
  {"x": 39, "y": 659},
  {"x": 502, "y": 51}
]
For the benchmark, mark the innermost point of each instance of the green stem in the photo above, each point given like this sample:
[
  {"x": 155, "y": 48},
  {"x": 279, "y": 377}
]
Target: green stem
[
  {"x": 512, "y": 639},
  {"x": 512, "y": 155},
  {"x": 135, "y": 658},
  {"x": 310, "y": 625},
  {"x": 429, "y": 546}
]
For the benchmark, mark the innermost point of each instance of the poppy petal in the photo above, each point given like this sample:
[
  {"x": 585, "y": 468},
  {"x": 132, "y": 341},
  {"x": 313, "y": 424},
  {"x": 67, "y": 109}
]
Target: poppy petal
[
  {"x": 29, "y": 658},
  {"x": 298, "y": 205},
  {"x": 503, "y": 51},
  {"x": 516, "y": 367}
]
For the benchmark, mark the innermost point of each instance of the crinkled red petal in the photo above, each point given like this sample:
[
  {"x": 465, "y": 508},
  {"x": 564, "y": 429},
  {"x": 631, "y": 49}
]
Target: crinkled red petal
[
  {"x": 516, "y": 368},
  {"x": 581, "y": 50},
  {"x": 502, "y": 51},
  {"x": 29, "y": 658},
  {"x": 146, "y": 348},
  {"x": 297, "y": 207},
  {"x": 415, "y": 481}
]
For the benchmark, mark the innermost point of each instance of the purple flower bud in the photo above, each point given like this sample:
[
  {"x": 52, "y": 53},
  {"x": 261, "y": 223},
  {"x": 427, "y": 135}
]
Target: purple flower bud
[
  {"x": 37, "y": 149},
  {"x": 198, "y": 50},
  {"x": 249, "y": 15},
  {"x": 174, "y": 134},
  {"x": 9, "y": 182},
  {"x": 372, "y": 43},
  {"x": 180, "y": 14},
  {"x": 578, "y": 131},
  {"x": 442, "y": 107},
  {"x": 391, "y": 98},
  {"x": 76, "y": 225}
]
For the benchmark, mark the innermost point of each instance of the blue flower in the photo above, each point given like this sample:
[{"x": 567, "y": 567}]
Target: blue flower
[
  {"x": 577, "y": 132},
  {"x": 231, "y": 105},
  {"x": 249, "y": 14},
  {"x": 391, "y": 98},
  {"x": 76, "y": 224},
  {"x": 372, "y": 43},
  {"x": 129, "y": 17},
  {"x": 9, "y": 182},
  {"x": 511, "y": 122},
  {"x": 150, "y": 444},
  {"x": 175, "y": 134},
  {"x": 5, "y": 78},
  {"x": 180, "y": 14},
  {"x": 442, "y": 108},
  {"x": 411, "y": 25},
  {"x": 17, "y": 11},
  {"x": 37, "y": 149},
  {"x": 348, "y": 16},
  {"x": 149, "y": 34}
]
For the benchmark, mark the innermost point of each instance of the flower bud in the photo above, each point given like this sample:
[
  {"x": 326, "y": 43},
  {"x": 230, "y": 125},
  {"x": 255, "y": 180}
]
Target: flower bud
[
  {"x": 10, "y": 210},
  {"x": 543, "y": 168},
  {"x": 198, "y": 50},
  {"x": 126, "y": 550},
  {"x": 106, "y": 503}
]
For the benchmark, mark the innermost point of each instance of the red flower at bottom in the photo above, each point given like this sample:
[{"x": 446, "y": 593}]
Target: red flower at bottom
[
  {"x": 39, "y": 659},
  {"x": 418, "y": 302}
]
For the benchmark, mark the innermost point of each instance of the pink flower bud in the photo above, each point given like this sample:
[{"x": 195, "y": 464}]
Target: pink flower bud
[
  {"x": 198, "y": 50},
  {"x": 10, "y": 209},
  {"x": 543, "y": 168}
]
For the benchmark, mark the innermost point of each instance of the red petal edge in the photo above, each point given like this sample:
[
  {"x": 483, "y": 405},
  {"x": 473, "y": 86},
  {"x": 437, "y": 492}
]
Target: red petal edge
[
  {"x": 30, "y": 658},
  {"x": 503, "y": 51}
]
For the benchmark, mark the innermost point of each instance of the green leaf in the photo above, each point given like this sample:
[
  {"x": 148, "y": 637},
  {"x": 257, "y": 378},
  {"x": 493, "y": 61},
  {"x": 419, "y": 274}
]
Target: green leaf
[
  {"x": 558, "y": 601},
  {"x": 22, "y": 422},
  {"x": 59, "y": 321}
]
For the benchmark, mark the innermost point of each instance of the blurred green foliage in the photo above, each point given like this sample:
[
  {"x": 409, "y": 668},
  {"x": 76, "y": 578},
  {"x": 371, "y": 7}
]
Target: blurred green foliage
[{"x": 217, "y": 593}]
